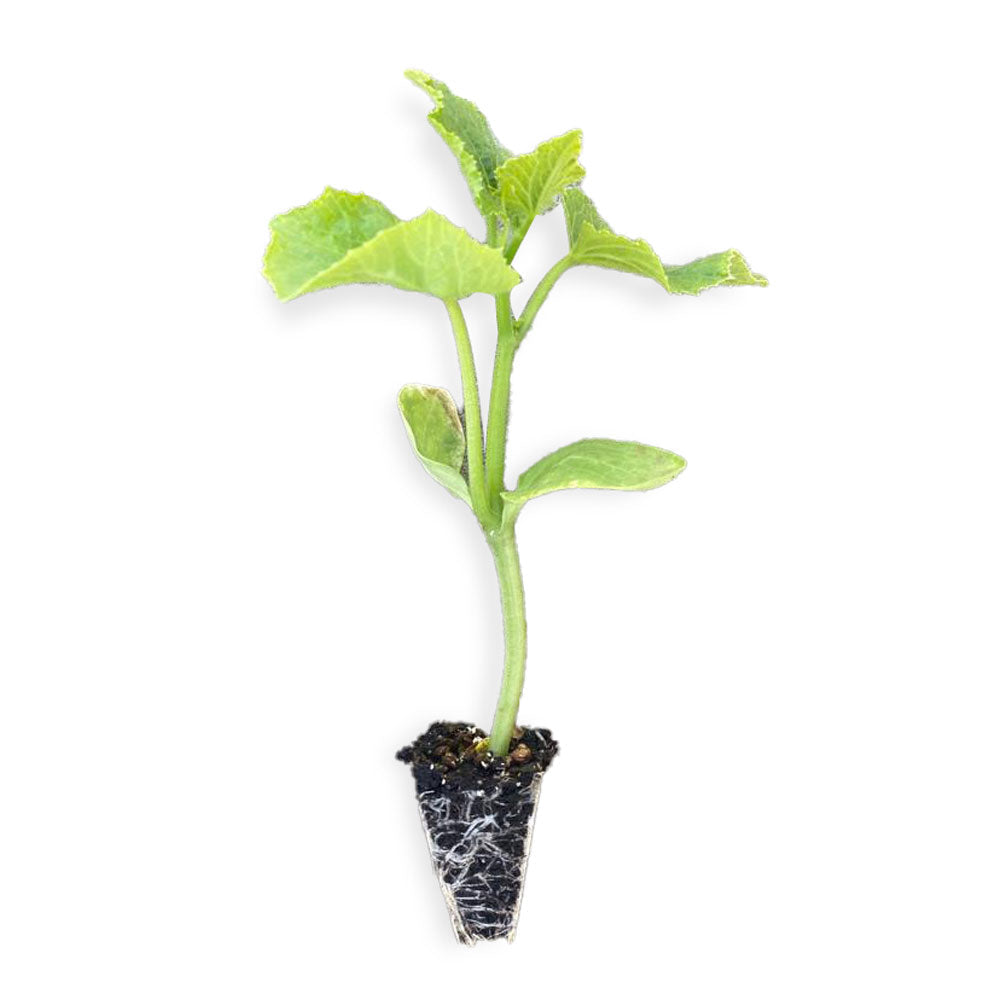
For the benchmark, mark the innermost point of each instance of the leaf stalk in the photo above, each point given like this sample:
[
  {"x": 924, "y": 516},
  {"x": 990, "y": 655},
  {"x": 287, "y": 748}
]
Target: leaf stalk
[
  {"x": 539, "y": 295},
  {"x": 473, "y": 418}
]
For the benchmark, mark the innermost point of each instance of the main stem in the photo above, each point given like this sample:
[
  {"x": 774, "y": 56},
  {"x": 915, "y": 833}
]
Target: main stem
[
  {"x": 501, "y": 540},
  {"x": 486, "y": 478},
  {"x": 488, "y": 505},
  {"x": 496, "y": 429},
  {"x": 515, "y": 636}
]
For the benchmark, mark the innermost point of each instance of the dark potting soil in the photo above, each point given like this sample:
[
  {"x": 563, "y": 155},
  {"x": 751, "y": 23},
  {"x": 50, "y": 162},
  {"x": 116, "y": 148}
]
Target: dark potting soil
[
  {"x": 478, "y": 811},
  {"x": 446, "y": 756}
]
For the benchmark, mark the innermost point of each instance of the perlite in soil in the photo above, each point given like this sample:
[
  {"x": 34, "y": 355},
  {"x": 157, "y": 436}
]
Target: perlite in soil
[{"x": 477, "y": 793}]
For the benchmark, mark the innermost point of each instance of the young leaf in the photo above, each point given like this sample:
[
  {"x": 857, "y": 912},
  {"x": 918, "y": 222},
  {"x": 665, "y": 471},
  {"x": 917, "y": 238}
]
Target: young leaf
[
  {"x": 435, "y": 431},
  {"x": 342, "y": 238},
  {"x": 531, "y": 184},
  {"x": 597, "y": 463},
  {"x": 469, "y": 136},
  {"x": 592, "y": 241},
  {"x": 726, "y": 268}
]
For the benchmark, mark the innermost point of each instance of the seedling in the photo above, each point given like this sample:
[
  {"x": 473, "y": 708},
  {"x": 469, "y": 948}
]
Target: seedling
[{"x": 341, "y": 238}]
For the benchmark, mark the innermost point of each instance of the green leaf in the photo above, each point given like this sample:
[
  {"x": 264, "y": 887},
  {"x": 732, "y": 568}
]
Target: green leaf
[
  {"x": 726, "y": 268},
  {"x": 592, "y": 241},
  {"x": 597, "y": 463},
  {"x": 578, "y": 209},
  {"x": 311, "y": 238},
  {"x": 342, "y": 238},
  {"x": 469, "y": 136},
  {"x": 531, "y": 184},
  {"x": 435, "y": 431}
]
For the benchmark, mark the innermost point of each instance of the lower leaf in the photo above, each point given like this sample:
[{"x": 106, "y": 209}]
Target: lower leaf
[
  {"x": 435, "y": 431},
  {"x": 596, "y": 463}
]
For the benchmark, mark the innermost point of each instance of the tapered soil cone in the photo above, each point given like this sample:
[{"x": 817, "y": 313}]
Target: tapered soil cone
[{"x": 478, "y": 812}]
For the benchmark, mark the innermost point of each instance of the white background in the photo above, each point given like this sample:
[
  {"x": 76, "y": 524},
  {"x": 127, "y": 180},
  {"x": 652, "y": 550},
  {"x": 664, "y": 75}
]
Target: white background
[{"x": 230, "y": 592}]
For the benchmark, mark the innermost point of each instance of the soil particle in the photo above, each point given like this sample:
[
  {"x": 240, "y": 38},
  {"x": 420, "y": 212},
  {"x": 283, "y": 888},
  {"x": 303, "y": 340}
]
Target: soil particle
[{"x": 462, "y": 761}]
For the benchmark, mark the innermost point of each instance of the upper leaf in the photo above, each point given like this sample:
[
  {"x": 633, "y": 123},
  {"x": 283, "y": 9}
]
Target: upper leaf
[
  {"x": 468, "y": 134},
  {"x": 593, "y": 241},
  {"x": 726, "y": 268},
  {"x": 435, "y": 431},
  {"x": 532, "y": 183},
  {"x": 597, "y": 463},
  {"x": 342, "y": 238},
  {"x": 310, "y": 238}
]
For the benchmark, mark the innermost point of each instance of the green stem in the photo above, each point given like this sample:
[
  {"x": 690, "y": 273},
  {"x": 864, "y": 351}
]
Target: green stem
[
  {"x": 515, "y": 244},
  {"x": 487, "y": 483},
  {"x": 504, "y": 547},
  {"x": 473, "y": 420},
  {"x": 492, "y": 232},
  {"x": 539, "y": 295},
  {"x": 496, "y": 428}
]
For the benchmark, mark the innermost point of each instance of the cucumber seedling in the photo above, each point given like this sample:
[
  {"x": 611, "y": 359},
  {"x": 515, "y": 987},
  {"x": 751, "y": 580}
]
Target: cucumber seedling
[{"x": 342, "y": 238}]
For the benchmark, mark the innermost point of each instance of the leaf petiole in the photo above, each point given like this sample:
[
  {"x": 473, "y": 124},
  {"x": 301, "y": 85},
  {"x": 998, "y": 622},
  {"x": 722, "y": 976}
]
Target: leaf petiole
[
  {"x": 473, "y": 419},
  {"x": 539, "y": 295}
]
